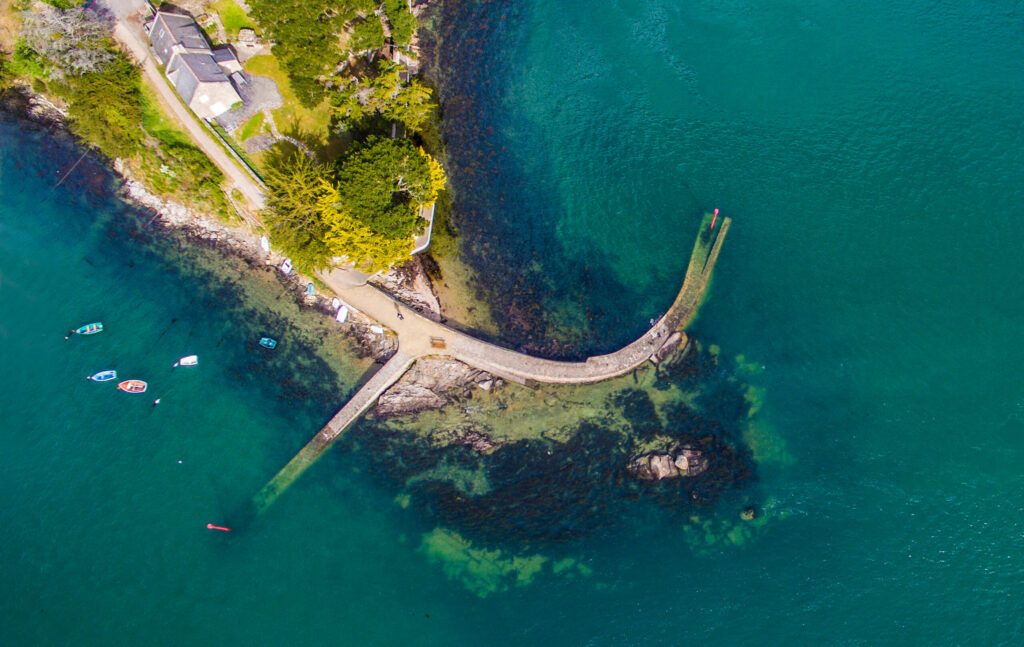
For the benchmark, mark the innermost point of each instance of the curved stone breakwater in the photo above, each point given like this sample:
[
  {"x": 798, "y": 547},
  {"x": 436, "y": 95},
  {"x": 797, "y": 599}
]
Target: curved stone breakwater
[{"x": 419, "y": 336}]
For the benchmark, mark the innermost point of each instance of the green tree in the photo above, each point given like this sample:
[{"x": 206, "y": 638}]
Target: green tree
[
  {"x": 411, "y": 105},
  {"x": 382, "y": 184},
  {"x": 305, "y": 34},
  {"x": 357, "y": 243},
  {"x": 296, "y": 188},
  {"x": 403, "y": 23},
  {"x": 367, "y": 34},
  {"x": 105, "y": 107},
  {"x": 386, "y": 94},
  {"x": 310, "y": 217}
]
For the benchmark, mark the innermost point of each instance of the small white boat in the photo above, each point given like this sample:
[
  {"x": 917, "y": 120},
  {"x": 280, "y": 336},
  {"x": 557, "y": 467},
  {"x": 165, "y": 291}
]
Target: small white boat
[
  {"x": 335, "y": 303},
  {"x": 377, "y": 329},
  {"x": 265, "y": 243},
  {"x": 188, "y": 360},
  {"x": 342, "y": 315},
  {"x": 286, "y": 266}
]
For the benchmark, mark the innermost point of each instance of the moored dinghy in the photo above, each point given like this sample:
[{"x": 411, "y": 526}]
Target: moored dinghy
[
  {"x": 87, "y": 329},
  {"x": 267, "y": 342},
  {"x": 103, "y": 376},
  {"x": 132, "y": 386},
  {"x": 188, "y": 360}
]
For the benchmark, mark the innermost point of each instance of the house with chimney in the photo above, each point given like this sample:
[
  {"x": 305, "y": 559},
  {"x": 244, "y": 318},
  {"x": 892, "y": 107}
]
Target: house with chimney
[{"x": 205, "y": 77}]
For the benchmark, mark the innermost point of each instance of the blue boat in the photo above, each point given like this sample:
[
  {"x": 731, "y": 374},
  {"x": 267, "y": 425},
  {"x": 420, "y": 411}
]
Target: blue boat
[
  {"x": 103, "y": 376},
  {"x": 267, "y": 342},
  {"x": 310, "y": 290},
  {"x": 88, "y": 329}
]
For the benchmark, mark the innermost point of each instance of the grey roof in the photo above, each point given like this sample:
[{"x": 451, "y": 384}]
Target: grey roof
[
  {"x": 203, "y": 67},
  {"x": 170, "y": 29},
  {"x": 183, "y": 79},
  {"x": 188, "y": 70},
  {"x": 224, "y": 55}
]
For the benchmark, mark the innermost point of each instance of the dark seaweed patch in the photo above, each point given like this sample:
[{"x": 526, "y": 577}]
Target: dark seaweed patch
[{"x": 638, "y": 410}]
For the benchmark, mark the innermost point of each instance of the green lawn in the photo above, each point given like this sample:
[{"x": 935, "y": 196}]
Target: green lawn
[
  {"x": 157, "y": 123},
  {"x": 311, "y": 126},
  {"x": 250, "y": 128},
  {"x": 232, "y": 16}
]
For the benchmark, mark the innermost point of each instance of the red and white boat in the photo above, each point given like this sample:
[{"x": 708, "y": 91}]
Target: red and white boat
[{"x": 132, "y": 386}]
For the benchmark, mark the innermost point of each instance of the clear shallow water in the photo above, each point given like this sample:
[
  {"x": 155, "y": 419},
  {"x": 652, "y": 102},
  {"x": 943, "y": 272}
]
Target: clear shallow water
[{"x": 871, "y": 160}]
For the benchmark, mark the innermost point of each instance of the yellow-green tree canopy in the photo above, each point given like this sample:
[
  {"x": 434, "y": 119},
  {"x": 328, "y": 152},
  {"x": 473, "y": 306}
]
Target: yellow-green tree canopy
[
  {"x": 295, "y": 189},
  {"x": 365, "y": 213}
]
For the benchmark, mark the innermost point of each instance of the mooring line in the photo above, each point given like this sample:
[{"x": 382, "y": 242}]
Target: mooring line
[{"x": 73, "y": 166}]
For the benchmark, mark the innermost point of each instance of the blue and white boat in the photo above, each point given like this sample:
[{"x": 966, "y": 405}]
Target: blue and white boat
[
  {"x": 88, "y": 329},
  {"x": 103, "y": 376},
  {"x": 267, "y": 342}
]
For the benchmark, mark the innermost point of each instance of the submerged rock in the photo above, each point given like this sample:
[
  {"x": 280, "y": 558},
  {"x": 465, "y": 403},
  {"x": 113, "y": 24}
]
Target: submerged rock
[{"x": 475, "y": 439}]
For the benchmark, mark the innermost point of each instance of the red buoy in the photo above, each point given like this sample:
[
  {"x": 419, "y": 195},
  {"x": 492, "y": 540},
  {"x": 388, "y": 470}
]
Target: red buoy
[
  {"x": 220, "y": 528},
  {"x": 713, "y": 219}
]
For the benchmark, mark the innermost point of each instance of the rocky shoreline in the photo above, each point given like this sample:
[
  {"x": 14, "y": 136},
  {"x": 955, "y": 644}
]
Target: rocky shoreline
[
  {"x": 432, "y": 384},
  {"x": 412, "y": 285}
]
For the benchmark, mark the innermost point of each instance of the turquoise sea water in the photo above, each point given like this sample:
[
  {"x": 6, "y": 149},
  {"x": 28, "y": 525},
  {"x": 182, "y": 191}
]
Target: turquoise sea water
[{"x": 871, "y": 158}]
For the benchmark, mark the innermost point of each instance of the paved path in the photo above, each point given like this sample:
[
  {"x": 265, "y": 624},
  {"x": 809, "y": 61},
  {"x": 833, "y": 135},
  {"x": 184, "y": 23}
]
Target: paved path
[
  {"x": 355, "y": 407},
  {"x": 416, "y": 332},
  {"x": 419, "y": 336},
  {"x": 129, "y": 32}
]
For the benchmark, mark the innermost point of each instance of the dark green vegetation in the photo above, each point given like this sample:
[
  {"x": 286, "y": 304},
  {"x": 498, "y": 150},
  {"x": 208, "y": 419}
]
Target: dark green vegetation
[
  {"x": 403, "y": 23},
  {"x": 364, "y": 208},
  {"x": 68, "y": 54},
  {"x": 367, "y": 35},
  {"x": 383, "y": 92},
  {"x": 327, "y": 49},
  {"x": 362, "y": 204},
  {"x": 306, "y": 38},
  {"x": 382, "y": 183},
  {"x": 105, "y": 107}
]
